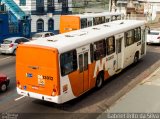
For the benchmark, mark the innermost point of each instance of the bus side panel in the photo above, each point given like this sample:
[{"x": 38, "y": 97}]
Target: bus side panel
[
  {"x": 69, "y": 23},
  {"x": 76, "y": 83}
]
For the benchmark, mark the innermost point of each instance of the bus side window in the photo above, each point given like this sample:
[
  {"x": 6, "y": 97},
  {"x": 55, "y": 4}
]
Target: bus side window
[
  {"x": 110, "y": 42},
  {"x": 137, "y": 34},
  {"x": 99, "y": 49},
  {"x": 107, "y": 20},
  {"x": 68, "y": 62},
  {"x": 89, "y": 23},
  {"x": 113, "y": 18},
  {"x": 118, "y": 17},
  {"x": 103, "y": 20},
  {"x": 129, "y": 38},
  {"x": 96, "y": 20},
  {"x": 83, "y": 23}
]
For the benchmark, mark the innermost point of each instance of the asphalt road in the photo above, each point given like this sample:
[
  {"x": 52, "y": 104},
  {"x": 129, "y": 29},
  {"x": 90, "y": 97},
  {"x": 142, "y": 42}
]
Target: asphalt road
[{"x": 89, "y": 105}]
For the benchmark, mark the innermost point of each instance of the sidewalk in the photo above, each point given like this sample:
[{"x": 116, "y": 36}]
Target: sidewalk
[{"x": 144, "y": 98}]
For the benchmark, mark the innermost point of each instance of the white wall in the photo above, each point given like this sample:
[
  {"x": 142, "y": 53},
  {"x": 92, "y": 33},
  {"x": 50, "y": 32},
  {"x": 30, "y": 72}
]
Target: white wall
[
  {"x": 152, "y": 9},
  {"x": 27, "y": 7},
  {"x": 31, "y": 5},
  {"x": 56, "y": 22},
  {"x": 45, "y": 18}
]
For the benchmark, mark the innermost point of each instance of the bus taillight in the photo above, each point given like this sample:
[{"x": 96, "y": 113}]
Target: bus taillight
[
  {"x": 18, "y": 85},
  {"x": 54, "y": 91}
]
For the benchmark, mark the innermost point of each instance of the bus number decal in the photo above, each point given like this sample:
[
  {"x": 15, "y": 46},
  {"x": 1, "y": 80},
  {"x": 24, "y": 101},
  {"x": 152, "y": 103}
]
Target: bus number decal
[
  {"x": 42, "y": 78},
  {"x": 48, "y": 77}
]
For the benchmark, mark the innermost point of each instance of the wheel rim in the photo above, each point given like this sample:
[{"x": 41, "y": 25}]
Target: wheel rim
[
  {"x": 4, "y": 87},
  {"x": 99, "y": 82}
]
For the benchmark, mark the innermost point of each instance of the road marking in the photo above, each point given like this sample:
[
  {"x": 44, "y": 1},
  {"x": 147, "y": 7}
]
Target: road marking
[
  {"x": 5, "y": 58},
  {"x": 19, "y": 98}
]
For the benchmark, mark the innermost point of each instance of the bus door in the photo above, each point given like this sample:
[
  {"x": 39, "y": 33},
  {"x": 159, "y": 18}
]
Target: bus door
[
  {"x": 119, "y": 38},
  {"x": 83, "y": 59}
]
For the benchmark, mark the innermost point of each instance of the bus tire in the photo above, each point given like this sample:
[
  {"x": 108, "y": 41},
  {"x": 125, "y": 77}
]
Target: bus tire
[
  {"x": 136, "y": 57},
  {"x": 99, "y": 81}
]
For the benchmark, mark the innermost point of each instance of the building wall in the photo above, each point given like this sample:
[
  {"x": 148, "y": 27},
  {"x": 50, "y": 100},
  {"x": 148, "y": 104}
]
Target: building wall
[
  {"x": 31, "y": 5},
  {"x": 152, "y": 9},
  {"x": 26, "y": 8},
  {"x": 45, "y": 18},
  {"x": 30, "y": 9}
]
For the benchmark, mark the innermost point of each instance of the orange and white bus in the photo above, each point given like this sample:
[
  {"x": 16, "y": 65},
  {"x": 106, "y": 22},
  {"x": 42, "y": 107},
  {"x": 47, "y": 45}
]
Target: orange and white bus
[
  {"x": 62, "y": 67},
  {"x": 80, "y": 21}
]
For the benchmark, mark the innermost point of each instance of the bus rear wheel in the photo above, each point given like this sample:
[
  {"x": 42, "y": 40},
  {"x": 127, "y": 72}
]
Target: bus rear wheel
[{"x": 99, "y": 81}]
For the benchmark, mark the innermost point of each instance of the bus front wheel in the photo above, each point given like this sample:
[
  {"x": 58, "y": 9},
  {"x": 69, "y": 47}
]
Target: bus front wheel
[{"x": 99, "y": 81}]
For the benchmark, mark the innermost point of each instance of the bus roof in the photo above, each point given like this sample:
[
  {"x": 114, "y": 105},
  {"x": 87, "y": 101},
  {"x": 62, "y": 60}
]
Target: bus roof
[
  {"x": 74, "y": 39},
  {"x": 89, "y": 15}
]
